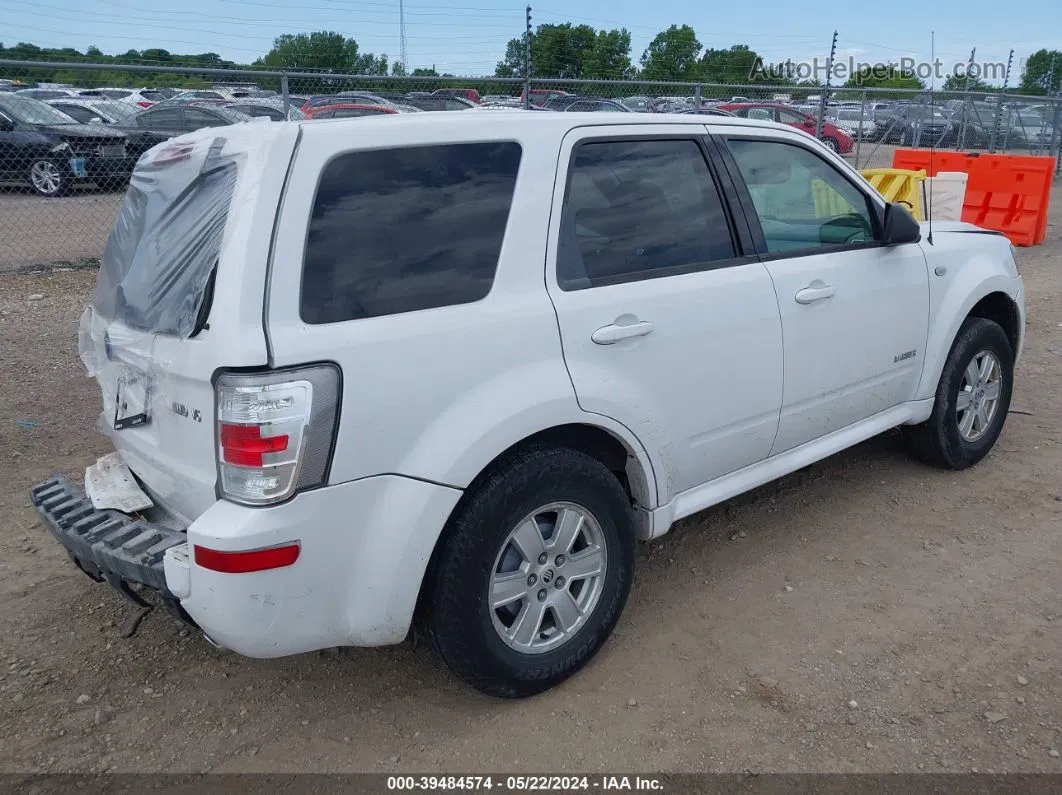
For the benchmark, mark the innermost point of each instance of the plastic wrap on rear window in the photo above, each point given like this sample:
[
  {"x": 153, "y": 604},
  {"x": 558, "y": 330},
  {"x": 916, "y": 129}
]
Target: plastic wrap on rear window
[{"x": 164, "y": 246}]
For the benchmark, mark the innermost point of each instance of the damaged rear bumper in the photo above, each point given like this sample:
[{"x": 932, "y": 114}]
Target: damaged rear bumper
[{"x": 107, "y": 545}]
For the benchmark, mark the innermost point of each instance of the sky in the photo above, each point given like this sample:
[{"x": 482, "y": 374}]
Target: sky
[{"x": 468, "y": 37}]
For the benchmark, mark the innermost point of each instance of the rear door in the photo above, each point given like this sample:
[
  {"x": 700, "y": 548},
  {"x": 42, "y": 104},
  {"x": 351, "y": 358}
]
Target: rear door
[
  {"x": 178, "y": 297},
  {"x": 668, "y": 325}
]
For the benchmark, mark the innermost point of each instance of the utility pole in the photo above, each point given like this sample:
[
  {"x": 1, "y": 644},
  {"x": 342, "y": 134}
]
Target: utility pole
[
  {"x": 403, "y": 53},
  {"x": 967, "y": 104},
  {"x": 527, "y": 61},
  {"x": 826, "y": 90},
  {"x": 999, "y": 104}
]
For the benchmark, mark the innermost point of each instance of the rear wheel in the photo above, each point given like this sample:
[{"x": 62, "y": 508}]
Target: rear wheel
[
  {"x": 48, "y": 178},
  {"x": 972, "y": 400},
  {"x": 533, "y": 573},
  {"x": 831, "y": 144}
]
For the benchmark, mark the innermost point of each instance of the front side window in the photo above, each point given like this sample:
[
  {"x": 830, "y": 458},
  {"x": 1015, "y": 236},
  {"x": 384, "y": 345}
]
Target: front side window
[
  {"x": 639, "y": 209},
  {"x": 802, "y": 201},
  {"x": 398, "y": 230}
]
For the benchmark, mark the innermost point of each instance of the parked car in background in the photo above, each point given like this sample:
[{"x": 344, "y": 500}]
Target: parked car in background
[
  {"x": 707, "y": 110},
  {"x": 45, "y": 93},
  {"x": 434, "y": 103},
  {"x": 576, "y": 104},
  {"x": 95, "y": 111},
  {"x": 344, "y": 98},
  {"x": 270, "y": 107},
  {"x": 141, "y": 97},
  {"x": 350, "y": 110},
  {"x": 855, "y": 121},
  {"x": 42, "y": 147},
  {"x": 498, "y": 98},
  {"x": 637, "y": 104},
  {"x": 917, "y": 125},
  {"x": 199, "y": 95},
  {"x": 539, "y": 96},
  {"x": 165, "y": 120},
  {"x": 1026, "y": 129},
  {"x": 832, "y": 135},
  {"x": 464, "y": 93}
]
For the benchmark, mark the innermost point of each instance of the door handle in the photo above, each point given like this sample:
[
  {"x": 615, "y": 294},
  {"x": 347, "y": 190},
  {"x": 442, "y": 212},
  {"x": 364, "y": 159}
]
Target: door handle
[
  {"x": 816, "y": 291},
  {"x": 607, "y": 335}
]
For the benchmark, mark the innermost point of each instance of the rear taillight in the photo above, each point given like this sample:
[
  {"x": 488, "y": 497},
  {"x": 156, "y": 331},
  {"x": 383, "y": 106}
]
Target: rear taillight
[
  {"x": 275, "y": 432},
  {"x": 144, "y": 104}
]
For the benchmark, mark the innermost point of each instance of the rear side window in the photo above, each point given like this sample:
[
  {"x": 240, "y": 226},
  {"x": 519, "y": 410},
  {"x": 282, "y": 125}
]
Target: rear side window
[
  {"x": 638, "y": 210},
  {"x": 397, "y": 230}
]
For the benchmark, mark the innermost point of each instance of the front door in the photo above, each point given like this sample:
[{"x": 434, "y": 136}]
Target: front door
[
  {"x": 666, "y": 325},
  {"x": 854, "y": 313}
]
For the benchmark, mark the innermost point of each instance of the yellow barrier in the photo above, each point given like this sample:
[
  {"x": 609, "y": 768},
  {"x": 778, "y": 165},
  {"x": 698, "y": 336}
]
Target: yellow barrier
[
  {"x": 900, "y": 185},
  {"x": 828, "y": 202}
]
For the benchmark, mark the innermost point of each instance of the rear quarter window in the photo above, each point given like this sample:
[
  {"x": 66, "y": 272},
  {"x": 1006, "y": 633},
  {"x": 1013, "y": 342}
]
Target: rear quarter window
[{"x": 399, "y": 230}]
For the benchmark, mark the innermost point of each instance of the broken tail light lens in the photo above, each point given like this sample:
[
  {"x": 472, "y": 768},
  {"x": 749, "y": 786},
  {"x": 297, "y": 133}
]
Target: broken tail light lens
[{"x": 275, "y": 432}]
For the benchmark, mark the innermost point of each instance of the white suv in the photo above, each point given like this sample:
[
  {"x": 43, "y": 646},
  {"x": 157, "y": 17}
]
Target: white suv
[{"x": 443, "y": 372}]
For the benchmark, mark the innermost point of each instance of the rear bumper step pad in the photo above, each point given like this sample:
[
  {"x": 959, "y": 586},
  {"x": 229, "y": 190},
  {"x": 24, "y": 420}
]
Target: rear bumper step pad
[{"x": 107, "y": 545}]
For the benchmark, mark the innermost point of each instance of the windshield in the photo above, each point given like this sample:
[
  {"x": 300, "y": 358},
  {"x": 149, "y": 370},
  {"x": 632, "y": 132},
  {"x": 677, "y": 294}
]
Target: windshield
[{"x": 33, "y": 111}]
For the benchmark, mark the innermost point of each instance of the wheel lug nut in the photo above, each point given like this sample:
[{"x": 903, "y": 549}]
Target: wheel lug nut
[
  {"x": 532, "y": 579},
  {"x": 542, "y": 595},
  {"x": 560, "y": 582},
  {"x": 542, "y": 558},
  {"x": 560, "y": 560}
]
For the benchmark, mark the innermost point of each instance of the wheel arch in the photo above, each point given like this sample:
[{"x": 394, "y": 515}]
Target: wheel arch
[
  {"x": 620, "y": 453},
  {"x": 993, "y": 298}
]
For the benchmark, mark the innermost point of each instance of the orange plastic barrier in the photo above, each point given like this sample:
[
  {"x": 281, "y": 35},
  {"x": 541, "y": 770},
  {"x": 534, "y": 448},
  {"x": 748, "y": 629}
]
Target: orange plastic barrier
[{"x": 1008, "y": 193}]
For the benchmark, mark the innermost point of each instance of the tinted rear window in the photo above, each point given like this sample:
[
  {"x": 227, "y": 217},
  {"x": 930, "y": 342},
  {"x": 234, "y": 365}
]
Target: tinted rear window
[{"x": 397, "y": 230}]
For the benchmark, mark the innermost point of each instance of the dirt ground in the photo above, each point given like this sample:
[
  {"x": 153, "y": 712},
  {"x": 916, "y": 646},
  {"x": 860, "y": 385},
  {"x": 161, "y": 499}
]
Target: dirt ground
[{"x": 863, "y": 614}]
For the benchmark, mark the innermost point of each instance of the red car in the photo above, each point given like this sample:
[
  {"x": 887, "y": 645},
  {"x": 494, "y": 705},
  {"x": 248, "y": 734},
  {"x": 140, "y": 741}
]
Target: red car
[
  {"x": 834, "y": 137},
  {"x": 346, "y": 111}
]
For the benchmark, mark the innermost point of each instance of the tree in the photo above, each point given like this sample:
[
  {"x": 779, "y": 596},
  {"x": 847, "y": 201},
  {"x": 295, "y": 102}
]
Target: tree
[
  {"x": 732, "y": 65},
  {"x": 324, "y": 50},
  {"x": 1042, "y": 72},
  {"x": 963, "y": 83},
  {"x": 672, "y": 55},
  {"x": 398, "y": 68},
  {"x": 570, "y": 51},
  {"x": 889, "y": 77},
  {"x": 610, "y": 56},
  {"x": 421, "y": 72}
]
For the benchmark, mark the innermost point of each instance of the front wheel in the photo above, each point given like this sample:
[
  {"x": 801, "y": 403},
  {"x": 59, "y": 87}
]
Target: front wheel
[
  {"x": 972, "y": 400},
  {"x": 47, "y": 178},
  {"x": 831, "y": 144},
  {"x": 533, "y": 573}
]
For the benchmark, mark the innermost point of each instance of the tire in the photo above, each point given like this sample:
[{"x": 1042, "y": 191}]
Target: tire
[
  {"x": 940, "y": 440},
  {"x": 47, "y": 178},
  {"x": 831, "y": 144},
  {"x": 904, "y": 138},
  {"x": 477, "y": 552}
]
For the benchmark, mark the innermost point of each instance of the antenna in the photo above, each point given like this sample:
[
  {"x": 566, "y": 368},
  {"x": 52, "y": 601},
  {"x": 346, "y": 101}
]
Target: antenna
[
  {"x": 403, "y": 54},
  {"x": 933, "y": 146}
]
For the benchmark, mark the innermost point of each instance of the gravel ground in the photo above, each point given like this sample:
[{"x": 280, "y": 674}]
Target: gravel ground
[{"x": 863, "y": 614}]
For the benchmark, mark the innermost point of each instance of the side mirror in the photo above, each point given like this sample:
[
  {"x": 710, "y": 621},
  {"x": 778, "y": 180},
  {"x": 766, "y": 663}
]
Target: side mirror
[{"x": 899, "y": 226}]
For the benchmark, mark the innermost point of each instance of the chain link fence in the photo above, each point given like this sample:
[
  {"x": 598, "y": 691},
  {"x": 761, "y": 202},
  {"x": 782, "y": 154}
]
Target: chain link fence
[{"x": 70, "y": 133}]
